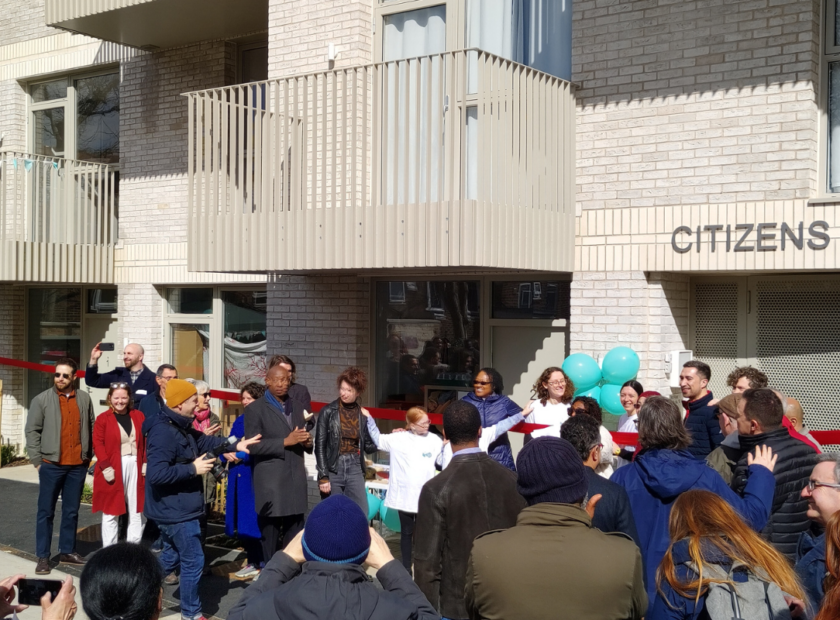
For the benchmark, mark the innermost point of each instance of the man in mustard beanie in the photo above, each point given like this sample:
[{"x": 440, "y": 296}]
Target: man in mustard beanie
[{"x": 176, "y": 459}]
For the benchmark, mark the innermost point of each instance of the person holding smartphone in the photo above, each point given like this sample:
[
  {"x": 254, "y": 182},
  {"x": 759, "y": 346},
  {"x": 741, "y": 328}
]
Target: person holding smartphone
[{"x": 57, "y": 599}]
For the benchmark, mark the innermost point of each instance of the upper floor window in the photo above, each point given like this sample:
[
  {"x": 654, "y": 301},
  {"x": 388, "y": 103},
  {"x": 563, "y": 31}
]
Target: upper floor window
[
  {"x": 832, "y": 52},
  {"x": 77, "y": 117}
]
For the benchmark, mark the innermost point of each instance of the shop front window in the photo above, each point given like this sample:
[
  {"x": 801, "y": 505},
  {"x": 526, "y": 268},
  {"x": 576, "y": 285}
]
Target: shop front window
[
  {"x": 534, "y": 299},
  {"x": 427, "y": 342},
  {"x": 245, "y": 313},
  {"x": 54, "y": 331},
  {"x": 190, "y": 346}
]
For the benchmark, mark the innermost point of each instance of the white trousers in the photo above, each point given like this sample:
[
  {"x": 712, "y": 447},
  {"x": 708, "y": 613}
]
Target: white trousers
[{"x": 136, "y": 520}]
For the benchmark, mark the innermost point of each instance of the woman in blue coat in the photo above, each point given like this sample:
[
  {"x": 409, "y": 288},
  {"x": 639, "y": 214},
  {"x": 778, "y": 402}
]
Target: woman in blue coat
[
  {"x": 240, "y": 514},
  {"x": 494, "y": 407},
  {"x": 664, "y": 469}
]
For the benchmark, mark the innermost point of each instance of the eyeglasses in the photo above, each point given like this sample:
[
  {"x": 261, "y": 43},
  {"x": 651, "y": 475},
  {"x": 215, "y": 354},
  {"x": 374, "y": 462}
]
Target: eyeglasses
[
  {"x": 556, "y": 384},
  {"x": 119, "y": 386},
  {"x": 62, "y": 375},
  {"x": 205, "y": 395},
  {"x": 482, "y": 383},
  {"x": 813, "y": 484},
  {"x": 578, "y": 410}
]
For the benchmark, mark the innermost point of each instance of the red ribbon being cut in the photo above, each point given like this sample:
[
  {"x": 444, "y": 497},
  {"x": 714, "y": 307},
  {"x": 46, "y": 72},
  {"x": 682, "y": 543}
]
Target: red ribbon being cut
[{"x": 624, "y": 439}]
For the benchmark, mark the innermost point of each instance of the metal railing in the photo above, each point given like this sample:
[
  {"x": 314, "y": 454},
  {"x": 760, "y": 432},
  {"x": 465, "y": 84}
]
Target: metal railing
[
  {"x": 56, "y": 200},
  {"x": 324, "y": 156}
]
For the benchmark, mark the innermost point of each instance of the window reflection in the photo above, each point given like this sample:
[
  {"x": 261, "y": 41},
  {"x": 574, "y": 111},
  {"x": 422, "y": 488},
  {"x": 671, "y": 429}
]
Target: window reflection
[
  {"x": 98, "y": 119},
  {"x": 54, "y": 331},
  {"x": 534, "y": 299},
  {"x": 427, "y": 341}
]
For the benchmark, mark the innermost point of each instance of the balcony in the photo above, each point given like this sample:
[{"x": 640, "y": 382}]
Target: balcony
[
  {"x": 152, "y": 24},
  {"x": 451, "y": 161},
  {"x": 58, "y": 220}
]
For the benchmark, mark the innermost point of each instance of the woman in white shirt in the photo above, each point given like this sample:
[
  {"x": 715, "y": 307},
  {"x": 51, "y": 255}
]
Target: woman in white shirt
[
  {"x": 630, "y": 393},
  {"x": 413, "y": 455},
  {"x": 586, "y": 405},
  {"x": 554, "y": 392}
]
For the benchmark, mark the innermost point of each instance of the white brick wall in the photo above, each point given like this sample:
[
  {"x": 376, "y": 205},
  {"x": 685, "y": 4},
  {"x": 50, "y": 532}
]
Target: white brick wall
[
  {"x": 23, "y": 20},
  {"x": 687, "y": 103},
  {"x": 140, "y": 320},
  {"x": 12, "y": 343},
  {"x": 301, "y": 30},
  {"x": 321, "y": 322},
  {"x": 646, "y": 312}
]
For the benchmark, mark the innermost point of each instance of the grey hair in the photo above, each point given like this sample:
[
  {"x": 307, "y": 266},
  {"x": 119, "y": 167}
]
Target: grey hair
[
  {"x": 831, "y": 457},
  {"x": 200, "y": 386},
  {"x": 163, "y": 367}
]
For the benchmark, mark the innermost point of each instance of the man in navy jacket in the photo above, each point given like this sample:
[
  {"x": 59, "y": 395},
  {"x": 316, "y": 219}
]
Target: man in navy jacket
[
  {"x": 175, "y": 463},
  {"x": 701, "y": 417},
  {"x": 613, "y": 513},
  {"x": 135, "y": 374}
]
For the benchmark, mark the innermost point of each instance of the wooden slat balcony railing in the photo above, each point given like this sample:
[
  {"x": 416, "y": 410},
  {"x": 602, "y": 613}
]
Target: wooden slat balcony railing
[
  {"x": 58, "y": 219},
  {"x": 454, "y": 160}
]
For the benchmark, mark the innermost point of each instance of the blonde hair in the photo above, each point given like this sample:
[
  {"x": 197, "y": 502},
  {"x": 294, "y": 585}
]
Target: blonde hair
[{"x": 414, "y": 415}]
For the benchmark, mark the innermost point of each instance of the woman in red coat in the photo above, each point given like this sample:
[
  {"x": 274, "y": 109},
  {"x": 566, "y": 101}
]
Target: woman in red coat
[{"x": 120, "y": 449}]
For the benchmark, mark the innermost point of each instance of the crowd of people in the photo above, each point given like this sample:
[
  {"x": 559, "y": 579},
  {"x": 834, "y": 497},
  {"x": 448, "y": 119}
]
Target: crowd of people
[{"x": 725, "y": 508}]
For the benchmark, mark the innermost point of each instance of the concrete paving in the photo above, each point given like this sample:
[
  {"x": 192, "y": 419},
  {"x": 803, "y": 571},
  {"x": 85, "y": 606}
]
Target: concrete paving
[{"x": 13, "y": 564}]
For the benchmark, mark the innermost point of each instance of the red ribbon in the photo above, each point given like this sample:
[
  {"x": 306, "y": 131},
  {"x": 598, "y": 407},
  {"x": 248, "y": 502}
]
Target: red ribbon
[{"x": 624, "y": 439}]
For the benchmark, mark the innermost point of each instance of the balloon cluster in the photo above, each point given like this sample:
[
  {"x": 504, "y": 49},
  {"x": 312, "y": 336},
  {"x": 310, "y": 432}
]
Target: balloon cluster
[
  {"x": 603, "y": 383},
  {"x": 389, "y": 516}
]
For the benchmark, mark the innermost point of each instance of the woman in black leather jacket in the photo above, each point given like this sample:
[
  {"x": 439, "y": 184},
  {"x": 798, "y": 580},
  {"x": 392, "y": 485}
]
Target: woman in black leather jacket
[{"x": 340, "y": 440}]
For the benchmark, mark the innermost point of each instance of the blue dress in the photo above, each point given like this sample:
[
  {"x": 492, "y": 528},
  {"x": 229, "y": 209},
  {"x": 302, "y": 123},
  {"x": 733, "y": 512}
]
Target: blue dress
[{"x": 240, "y": 513}]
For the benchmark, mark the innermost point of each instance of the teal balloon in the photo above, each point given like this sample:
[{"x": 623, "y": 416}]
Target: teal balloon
[
  {"x": 582, "y": 370},
  {"x": 610, "y": 400},
  {"x": 390, "y": 517},
  {"x": 373, "y": 505},
  {"x": 620, "y": 365},
  {"x": 591, "y": 393}
]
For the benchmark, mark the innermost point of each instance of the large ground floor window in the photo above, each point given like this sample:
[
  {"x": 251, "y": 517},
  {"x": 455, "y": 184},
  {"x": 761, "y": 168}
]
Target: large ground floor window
[{"x": 216, "y": 335}]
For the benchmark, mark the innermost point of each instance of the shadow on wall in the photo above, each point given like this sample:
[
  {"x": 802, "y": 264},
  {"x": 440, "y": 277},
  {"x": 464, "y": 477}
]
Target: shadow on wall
[{"x": 642, "y": 50}]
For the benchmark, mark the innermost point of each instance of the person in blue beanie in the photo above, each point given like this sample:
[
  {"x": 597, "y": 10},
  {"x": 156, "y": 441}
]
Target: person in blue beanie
[
  {"x": 664, "y": 469},
  {"x": 320, "y": 575}
]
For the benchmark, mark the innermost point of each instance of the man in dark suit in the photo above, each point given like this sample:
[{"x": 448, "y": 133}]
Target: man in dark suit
[
  {"x": 140, "y": 378},
  {"x": 612, "y": 513},
  {"x": 279, "y": 472}
]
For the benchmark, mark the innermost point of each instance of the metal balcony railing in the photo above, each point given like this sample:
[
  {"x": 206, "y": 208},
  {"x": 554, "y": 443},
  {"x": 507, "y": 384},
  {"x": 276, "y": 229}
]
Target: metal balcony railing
[
  {"x": 58, "y": 218},
  {"x": 426, "y": 162}
]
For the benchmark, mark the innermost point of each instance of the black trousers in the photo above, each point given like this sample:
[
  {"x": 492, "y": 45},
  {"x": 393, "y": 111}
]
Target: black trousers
[
  {"x": 407, "y": 521},
  {"x": 277, "y": 532}
]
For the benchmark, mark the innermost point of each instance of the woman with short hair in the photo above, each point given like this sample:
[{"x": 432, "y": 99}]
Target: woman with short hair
[
  {"x": 342, "y": 439},
  {"x": 664, "y": 469},
  {"x": 711, "y": 547},
  {"x": 413, "y": 454},
  {"x": 122, "y": 582},
  {"x": 240, "y": 511},
  {"x": 487, "y": 396},
  {"x": 119, "y": 475}
]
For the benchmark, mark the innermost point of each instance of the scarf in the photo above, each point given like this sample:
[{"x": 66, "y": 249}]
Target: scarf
[{"x": 202, "y": 420}]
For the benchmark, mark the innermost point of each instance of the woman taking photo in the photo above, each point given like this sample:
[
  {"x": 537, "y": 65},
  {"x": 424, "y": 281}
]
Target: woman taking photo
[
  {"x": 586, "y": 405},
  {"x": 712, "y": 555},
  {"x": 412, "y": 465},
  {"x": 118, "y": 479},
  {"x": 240, "y": 513},
  {"x": 494, "y": 407},
  {"x": 554, "y": 392},
  {"x": 341, "y": 439}
]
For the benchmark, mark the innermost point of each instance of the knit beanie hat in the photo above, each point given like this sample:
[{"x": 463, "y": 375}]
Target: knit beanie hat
[
  {"x": 336, "y": 531},
  {"x": 549, "y": 469},
  {"x": 177, "y": 391}
]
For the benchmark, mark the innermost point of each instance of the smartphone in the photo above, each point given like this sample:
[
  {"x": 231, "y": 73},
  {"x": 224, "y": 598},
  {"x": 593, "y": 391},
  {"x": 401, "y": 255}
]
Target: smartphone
[
  {"x": 30, "y": 591},
  {"x": 106, "y": 346}
]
